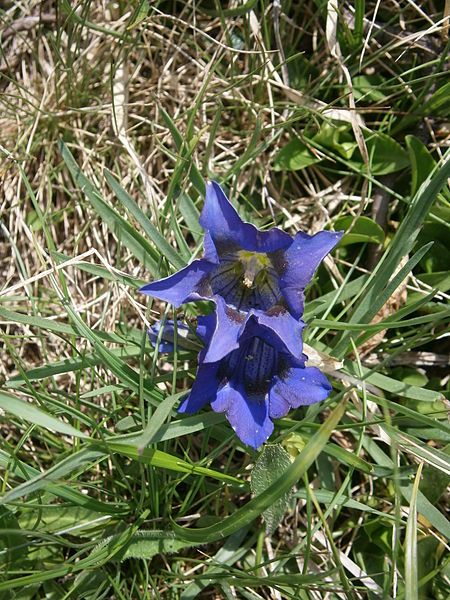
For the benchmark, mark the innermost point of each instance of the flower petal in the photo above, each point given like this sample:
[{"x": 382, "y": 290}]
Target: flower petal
[
  {"x": 229, "y": 232},
  {"x": 297, "y": 387},
  {"x": 296, "y": 265},
  {"x": 228, "y": 328},
  {"x": 184, "y": 286},
  {"x": 285, "y": 332},
  {"x": 248, "y": 415},
  {"x": 204, "y": 389},
  {"x": 209, "y": 249}
]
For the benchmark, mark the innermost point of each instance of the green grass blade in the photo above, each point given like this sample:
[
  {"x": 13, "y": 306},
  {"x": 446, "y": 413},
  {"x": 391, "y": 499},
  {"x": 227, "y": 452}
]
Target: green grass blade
[
  {"x": 160, "y": 241},
  {"x": 60, "y": 490},
  {"x": 31, "y": 413},
  {"x": 400, "y": 246},
  {"x": 135, "y": 242},
  {"x": 411, "y": 570},
  {"x": 255, "y": 507}
]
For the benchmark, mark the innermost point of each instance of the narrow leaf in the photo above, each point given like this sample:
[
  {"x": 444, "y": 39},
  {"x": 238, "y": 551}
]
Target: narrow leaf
[{"x": 31, "y": 413}]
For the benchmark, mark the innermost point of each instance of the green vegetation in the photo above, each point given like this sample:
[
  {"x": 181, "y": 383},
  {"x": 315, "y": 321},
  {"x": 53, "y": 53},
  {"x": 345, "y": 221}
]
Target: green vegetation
[{"x": 313, "y": 115}]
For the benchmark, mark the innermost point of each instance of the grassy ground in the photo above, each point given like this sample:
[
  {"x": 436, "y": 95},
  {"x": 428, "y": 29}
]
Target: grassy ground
[{"x": 314, "y": 115}]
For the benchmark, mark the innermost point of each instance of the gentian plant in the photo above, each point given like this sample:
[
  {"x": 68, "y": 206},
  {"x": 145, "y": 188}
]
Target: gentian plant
[
  {"x": 252, "y": 366},
  {"x": 259, "y": 381}
]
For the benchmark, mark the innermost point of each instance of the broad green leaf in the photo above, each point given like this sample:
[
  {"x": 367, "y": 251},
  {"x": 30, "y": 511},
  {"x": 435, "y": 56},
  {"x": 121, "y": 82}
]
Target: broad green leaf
[
  {"x": 385, "y": 154},
  {"x": 327, "y": 497},
  {"x": 388, "y": 323},
  {"x": 428, "y": 552},
  {"x": 76, "y": 520},
  {"x": 271, "y": 463},
  {"x": 32, "y": 414},
  {"x": 294, "y": 156},
  {"x": 157, "y": 421},
  {"x": 246, "y": 514},
  {"x": 392, "y": 385},
  {"x": 178, "y": 428},
  {"x": 368, "y": 87},
  {"x": 434, "y": 482},
  {"x": 13, "y": 543},
  {"x": 70, "y": 365},
  {"x": 100, "y": 271},
  {"x": 95, "y": 453},
  {"x": 146, "y": 544},
  {"x": 191, "y": 215},
  {"x": 422, "y": 163},
  {"x": 361, "y": 229},
  {"x": 337, "y": 137}
]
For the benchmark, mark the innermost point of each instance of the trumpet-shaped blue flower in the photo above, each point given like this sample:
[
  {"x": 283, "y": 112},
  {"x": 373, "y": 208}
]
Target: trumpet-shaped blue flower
[
  {"x": 255, "y": 383},
  {"x": 248, "y": 273}
]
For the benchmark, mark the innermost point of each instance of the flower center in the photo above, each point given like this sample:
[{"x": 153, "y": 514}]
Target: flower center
[
  {"x": 246, "y": 280},
  {"x": 253, "y": 263}
]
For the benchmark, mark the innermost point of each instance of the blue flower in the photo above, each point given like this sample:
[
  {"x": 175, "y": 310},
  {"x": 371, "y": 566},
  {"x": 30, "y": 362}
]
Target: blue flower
[
  {"x": 255, "y": 383},
  {"x": 248, "y": 273}
]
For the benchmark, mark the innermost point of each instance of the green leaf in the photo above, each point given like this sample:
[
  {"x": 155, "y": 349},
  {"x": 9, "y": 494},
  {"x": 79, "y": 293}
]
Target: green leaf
[
  {"x": 438, "y": 105},
  {"x": 422, "y": 163},
  {"x": 191, "y": 216},
  {"x": 271, "y": 463},
  {"x": 157, "y": 421},
  {"x": 294, "y": 156},
  {"x": 385, "y": 154},
  {"x": 246, "y": 514},
  {"x": 392, "y": 385},
  {"x": 24, "y": 471},
  {"x": 368, "y": 87},
  {"x": 411, "y": 575},
  {"x": 13, "y": 543},
  {"x": 338, "y": 137},
  {"x": 434, "y": 482},
  {"x": 193, "y": 172},
  {"x": 99, "y": 271},
  {"x": 362, "y": 229},
  {"x": 140, "y": 14},
  {"x": 428, "y": 510},
  {"x": 76, "y": 520},
  {"x": 159, "y": 240},
  {"x": 135, "y": 242},
  {"x": 440, "y": 280},
  {"x": 31, "y": 413},
  {"x": 163, "y": 460},
  {"x": 382, "y": 278},
  {"x": 146, "y": 544},
  {"x": 61, "y": 469}
]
